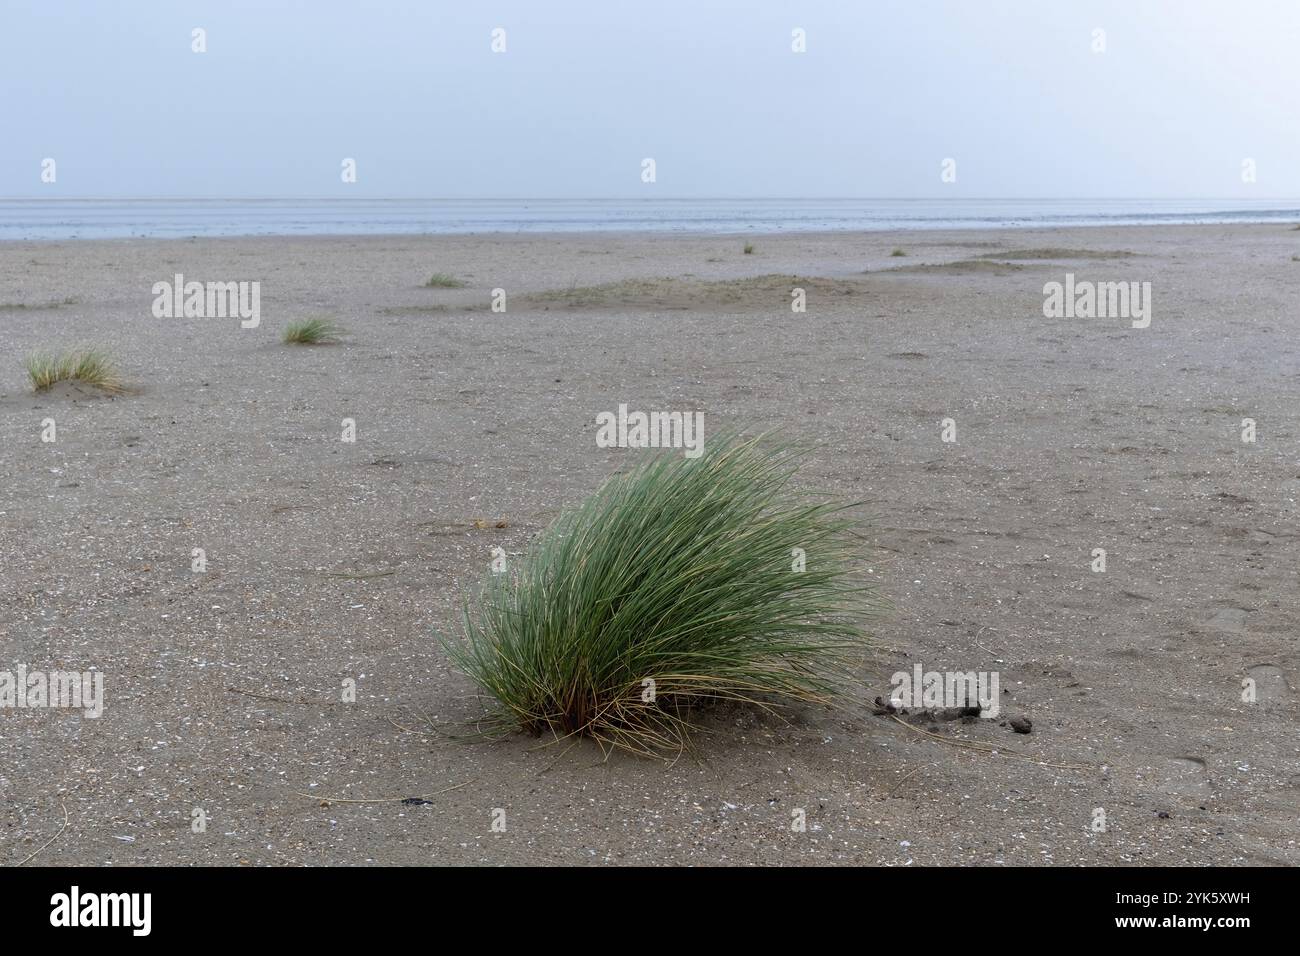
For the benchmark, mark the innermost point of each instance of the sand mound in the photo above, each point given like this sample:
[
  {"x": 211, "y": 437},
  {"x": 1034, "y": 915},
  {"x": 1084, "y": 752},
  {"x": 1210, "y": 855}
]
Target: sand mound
[
  {"x": 958, "y": 268},
  {"x": 1055, "y": 252},
  {"x": 78, "y": 391},
  {"x": 685, "y": 294}
]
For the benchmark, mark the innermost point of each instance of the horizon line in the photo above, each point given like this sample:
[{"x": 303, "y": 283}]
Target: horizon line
[{"x": 319, "y": 198}]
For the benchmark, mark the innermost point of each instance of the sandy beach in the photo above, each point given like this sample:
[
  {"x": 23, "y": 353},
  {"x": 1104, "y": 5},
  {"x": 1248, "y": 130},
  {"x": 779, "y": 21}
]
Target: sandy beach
[{"x": 329, "y": 561}]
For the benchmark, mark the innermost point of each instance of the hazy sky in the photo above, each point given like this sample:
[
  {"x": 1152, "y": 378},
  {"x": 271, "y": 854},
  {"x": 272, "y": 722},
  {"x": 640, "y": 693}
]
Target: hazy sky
[{"x": 1184, "y": 92}]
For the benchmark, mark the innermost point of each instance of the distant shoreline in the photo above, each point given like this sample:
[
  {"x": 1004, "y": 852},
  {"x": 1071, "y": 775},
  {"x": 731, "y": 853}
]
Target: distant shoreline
[
  {"x": 69, "y": 219},
  {"x": 932, "y": 234}
]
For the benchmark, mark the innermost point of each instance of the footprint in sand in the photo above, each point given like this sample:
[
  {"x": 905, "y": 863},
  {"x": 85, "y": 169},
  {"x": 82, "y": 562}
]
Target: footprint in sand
[
  {"x": 1270, "y": 683},
  {"x": 1185, "y": 776}
]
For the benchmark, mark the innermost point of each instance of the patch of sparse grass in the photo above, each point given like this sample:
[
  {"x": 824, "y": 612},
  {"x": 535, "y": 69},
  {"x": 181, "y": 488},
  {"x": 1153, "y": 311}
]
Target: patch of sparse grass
[
  {"x": 88, "y": 366},
  {"x": 1056, "y": 252},
  {"x": 441, "y": 280},
  {"x": 749, "y": 248},
  {"x": 675, "y": 585},
  {"x": 414, "y": 309},
  {"x": 682, "y": 293},
  {"x": 1295, "y": 258},
  {"x": 35, "y": 306},
  {"x": 898, "y": 252},
  {"x": 625, "y": 290},
  {"x": 960, "y": 267},
  {"x": 316, "y": 331}
]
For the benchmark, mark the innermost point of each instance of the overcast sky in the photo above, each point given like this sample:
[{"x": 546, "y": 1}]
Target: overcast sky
[{"x": 1013, "y": 91}]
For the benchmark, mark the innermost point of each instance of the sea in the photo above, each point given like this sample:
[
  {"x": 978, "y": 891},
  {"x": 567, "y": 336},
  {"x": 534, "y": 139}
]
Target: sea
[{"x": 63, "y": 219}]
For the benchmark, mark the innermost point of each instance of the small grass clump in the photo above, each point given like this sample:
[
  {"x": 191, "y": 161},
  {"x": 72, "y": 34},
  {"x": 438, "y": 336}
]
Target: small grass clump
[
  {"x": 898, "y": 252},
  {"x": 680, "y": 583},
  {"x": 87, "y": 366},
  {"x": 311, "y": 332},
  {"x": 749, "y": 248},
  {"x": 441, "y": 280}
]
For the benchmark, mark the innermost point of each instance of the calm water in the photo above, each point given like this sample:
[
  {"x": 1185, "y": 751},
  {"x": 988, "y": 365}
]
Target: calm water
[{"x": 164, "y": 218}]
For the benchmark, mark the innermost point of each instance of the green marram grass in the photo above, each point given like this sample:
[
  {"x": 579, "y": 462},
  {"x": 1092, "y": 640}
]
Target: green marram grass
[
  {"x": 676, "y": 584},
  {"x": 441, "y": 280},
  {"x": 311, "y": 332},
  {"x": 88, "y": 366}
]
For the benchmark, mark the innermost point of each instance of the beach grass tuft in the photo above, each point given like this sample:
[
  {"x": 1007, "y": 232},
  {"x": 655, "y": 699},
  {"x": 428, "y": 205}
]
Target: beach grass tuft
[
  {"x": 749, "y": 248},
  {"x": 90, "y": 366},
  {"x": 679, "y": 583},
  {"x": 441, "y": 280},
  {"x": 898, "y": 252},
  {"x": 317, "y": 331}
]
